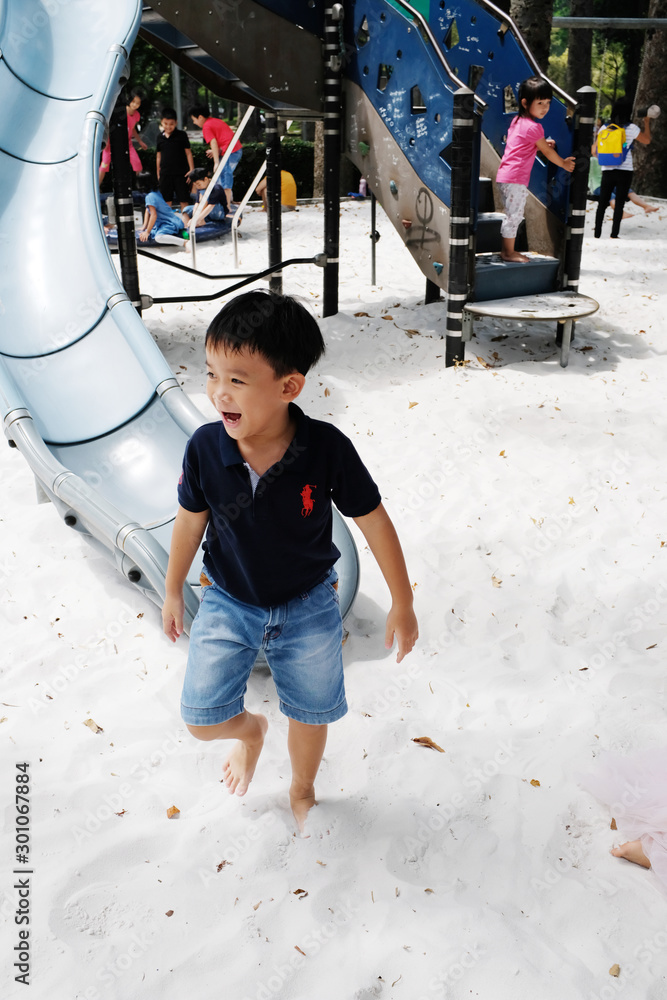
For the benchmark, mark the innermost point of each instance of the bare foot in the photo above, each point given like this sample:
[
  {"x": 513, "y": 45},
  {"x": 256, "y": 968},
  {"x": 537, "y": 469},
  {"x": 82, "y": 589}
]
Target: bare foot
[
  {"x": 626, "y": 215},
  {"x": 302, "y": 801},
  {"x": 515, "y": 256},
  {"x": 632, "y": 851},
  {"x": 240, "y": 766}
]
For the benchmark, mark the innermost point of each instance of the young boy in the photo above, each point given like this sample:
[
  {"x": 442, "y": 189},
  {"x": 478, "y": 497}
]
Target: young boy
[
  {"x": 161, "y": 222},
  {"x": 216, "y": 206},
  {"x": 173, "y": 162},
  {"x": 260, "y": 482},
  {"x": 219, "y": 135}
]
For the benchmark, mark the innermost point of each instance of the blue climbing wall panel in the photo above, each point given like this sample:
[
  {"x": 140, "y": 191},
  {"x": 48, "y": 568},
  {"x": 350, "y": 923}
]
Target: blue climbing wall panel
[
  {"x": 490, "y": 60},
  {"x": 405, "y": 81}
]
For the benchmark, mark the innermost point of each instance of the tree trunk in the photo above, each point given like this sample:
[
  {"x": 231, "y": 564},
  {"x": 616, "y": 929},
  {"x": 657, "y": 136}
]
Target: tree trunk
[
  {"x": 579, "y": 48},
  {"x": 650, "y": 162},
  {"x": 318, "y": 163},
  {"x": 533, "y": 19},
  {"x": 189, "y": 88}
]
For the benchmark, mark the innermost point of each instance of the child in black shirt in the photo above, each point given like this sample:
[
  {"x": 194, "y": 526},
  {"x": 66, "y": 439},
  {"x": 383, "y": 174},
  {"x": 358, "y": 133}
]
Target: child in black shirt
[
  {"x": 260, "y": 483},
  {"x": 174, "y": 162}
]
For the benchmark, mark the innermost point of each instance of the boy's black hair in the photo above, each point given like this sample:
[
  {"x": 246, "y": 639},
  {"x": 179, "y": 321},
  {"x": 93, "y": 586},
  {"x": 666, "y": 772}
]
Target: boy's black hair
[
  {"x": 200, "y": 174},
  {"x": 621, "y": 113},
  {"x": 276, "y": 326},
  {"x": 146, "y": 181},
  {"x": 535, "y": 88},
  {"x": 168, "y": 113},
  {"x": 199, "y": 109}
]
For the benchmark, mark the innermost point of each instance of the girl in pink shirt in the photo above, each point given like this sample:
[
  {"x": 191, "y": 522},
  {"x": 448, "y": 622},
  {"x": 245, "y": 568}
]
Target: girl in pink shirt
[{"x": 525, "y": 137}]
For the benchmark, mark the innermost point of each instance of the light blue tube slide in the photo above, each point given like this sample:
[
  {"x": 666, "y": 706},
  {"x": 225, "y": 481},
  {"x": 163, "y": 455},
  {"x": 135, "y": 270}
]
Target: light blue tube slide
[{"x": 86, "y": 395}]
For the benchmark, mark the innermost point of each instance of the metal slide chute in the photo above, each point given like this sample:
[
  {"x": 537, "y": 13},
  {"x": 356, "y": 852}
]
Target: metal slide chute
[{"x": 86, "y": 395}]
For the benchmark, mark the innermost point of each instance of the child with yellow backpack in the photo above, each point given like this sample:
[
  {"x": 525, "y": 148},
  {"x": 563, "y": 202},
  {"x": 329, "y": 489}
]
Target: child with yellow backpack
[{"x": 613, "y": 148}]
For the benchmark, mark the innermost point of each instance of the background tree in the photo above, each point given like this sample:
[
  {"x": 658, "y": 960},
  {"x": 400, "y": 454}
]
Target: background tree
[
  {"x": 580, "y": 47},
  {"x": 651, "y": 161},
  {"x": 533, "y": 19}
]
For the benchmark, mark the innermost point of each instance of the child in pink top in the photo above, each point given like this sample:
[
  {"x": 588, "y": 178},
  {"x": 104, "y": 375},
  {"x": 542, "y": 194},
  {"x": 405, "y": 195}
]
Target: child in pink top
[
  {"x": 525, "y": 138},
  {"x": 133, "y": 116}
]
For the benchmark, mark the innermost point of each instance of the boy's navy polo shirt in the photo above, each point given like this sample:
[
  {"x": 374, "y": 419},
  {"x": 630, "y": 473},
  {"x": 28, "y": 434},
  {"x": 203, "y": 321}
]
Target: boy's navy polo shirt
[{"x": 268, "y": 548}]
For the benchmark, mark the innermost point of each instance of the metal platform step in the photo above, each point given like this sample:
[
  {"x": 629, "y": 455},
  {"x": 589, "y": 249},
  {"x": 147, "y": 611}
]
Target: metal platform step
[
  {"x": 499, "y": 279},
  {"x": 560, "y": 307}
]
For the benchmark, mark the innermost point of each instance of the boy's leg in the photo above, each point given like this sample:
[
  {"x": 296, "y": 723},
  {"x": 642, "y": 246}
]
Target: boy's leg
[
  {"x": 305, "y": 744},
  {"x": 249, "y": 730}
]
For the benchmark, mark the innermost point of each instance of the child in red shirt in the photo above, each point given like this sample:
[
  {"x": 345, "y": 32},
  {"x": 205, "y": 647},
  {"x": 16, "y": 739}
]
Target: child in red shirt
[{"x": 218, "y": 135}]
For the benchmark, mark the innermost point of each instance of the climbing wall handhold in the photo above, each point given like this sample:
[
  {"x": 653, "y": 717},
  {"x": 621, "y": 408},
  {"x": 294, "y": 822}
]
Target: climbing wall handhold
[
  {"x": 406, "y": 223},
  {"x": 364, "y": 148},
  {"x": 438, "y": 267},
  {"x": 393, "y": 187}
]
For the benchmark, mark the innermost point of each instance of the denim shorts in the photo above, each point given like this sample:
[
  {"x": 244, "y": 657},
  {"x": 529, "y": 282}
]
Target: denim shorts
[
  {"x": 227, "y": 175},
  {"x": 302, "y": 641}
]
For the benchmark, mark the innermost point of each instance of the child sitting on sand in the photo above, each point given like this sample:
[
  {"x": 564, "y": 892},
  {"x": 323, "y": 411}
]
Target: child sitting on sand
[
  {"x": 260, "y": 482},
  {"x": 161, "y": 222},
  {"x": 525, "y": 138}
]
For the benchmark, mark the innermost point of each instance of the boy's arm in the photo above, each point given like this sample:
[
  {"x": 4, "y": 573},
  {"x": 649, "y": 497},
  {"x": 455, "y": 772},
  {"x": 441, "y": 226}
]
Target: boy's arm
[
  {"x": 150, "y": 215},
  {"x": 186, "y": 538},
  {"x": 214, "y": 151},
  {"x": 158, "y": 161},
  {"x": 546, "y": 150},
  {"x": 191, "y": 162},
  {"x": 385, "y": 546}
]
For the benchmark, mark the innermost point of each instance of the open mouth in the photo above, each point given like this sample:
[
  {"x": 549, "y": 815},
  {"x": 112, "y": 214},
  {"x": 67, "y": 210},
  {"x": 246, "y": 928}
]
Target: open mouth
[{"x": 231, "y": 419}]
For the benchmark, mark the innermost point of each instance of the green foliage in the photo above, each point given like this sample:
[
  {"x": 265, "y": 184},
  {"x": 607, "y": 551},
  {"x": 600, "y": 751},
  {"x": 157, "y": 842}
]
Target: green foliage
[
  {"x": 296, "y": 157},
  {"x": 558, "y": 68}
]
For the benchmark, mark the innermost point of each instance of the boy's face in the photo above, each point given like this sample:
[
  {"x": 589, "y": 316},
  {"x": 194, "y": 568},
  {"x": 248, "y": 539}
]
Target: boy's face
[
  {"x": 168, "y": 125},
  {"x": 199, "y": 120},
  {"x": 244, "y": 390}
]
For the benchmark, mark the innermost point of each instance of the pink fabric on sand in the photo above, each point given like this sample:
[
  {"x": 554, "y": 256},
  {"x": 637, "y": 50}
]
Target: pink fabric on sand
[{"x": 635, "y": 789}]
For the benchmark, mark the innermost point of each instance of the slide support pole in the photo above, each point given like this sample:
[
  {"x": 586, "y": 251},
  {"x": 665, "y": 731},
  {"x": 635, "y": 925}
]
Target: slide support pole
[
  {"x": 274, "y": 200},
  {"x": 584, "y": 123},
  {"x": 333, "y": 63},
  {"x": 463, "y": 140},
  {"x": 121, "y": 173}
]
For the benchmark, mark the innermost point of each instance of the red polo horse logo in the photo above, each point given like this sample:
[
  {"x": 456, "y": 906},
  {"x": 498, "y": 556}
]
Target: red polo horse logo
[{"x": 307, "y": 500}]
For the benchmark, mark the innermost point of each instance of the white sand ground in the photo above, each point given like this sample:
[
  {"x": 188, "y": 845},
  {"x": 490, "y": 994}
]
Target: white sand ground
[{"x": 531, "y": 505}]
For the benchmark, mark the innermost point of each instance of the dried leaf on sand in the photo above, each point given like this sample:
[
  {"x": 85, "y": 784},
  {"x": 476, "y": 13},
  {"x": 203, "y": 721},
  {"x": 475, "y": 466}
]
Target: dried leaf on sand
[{"x": 426, "y": 741}]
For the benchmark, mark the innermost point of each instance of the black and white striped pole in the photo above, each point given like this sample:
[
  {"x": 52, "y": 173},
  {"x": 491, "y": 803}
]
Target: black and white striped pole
[
  {"x": 333, "y": 64},
  {"x": 274, "y": 218},
  {"x": 122, "y": 176},
  {"x": 462, "y": 155},
  {"x": 574, "y": 238}
]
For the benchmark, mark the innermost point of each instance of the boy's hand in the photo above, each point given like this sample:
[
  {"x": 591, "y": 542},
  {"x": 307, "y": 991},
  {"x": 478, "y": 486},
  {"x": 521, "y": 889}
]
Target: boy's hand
[
  {"x": 568, "y": 164},
  {"x": 172, "y": 617},
  {"x": 144, "y": 234},
  {"x": 401, "y": 623}
]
